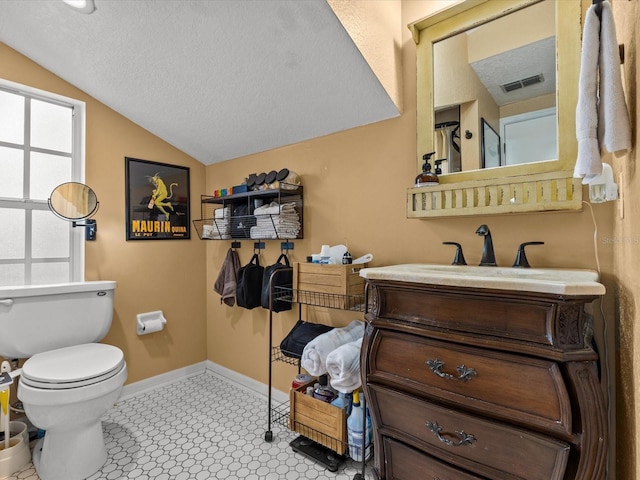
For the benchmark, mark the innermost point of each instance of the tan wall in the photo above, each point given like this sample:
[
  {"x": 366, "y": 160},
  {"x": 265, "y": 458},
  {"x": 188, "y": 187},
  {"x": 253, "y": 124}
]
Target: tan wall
[
  {"x": 151, "y": 275},
  {"x": 626, "y": 247}
]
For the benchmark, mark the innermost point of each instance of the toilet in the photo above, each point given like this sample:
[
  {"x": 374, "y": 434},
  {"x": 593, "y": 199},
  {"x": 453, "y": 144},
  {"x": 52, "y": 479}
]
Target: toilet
[{"x": 68, "y": 380}]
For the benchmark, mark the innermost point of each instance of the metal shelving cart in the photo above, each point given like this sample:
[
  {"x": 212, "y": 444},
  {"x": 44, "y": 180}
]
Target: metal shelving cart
[{"x": 280, "y": 413}]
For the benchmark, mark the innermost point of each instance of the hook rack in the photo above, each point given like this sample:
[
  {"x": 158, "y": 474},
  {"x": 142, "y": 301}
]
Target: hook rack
[
  {"x": 286, "y": 246},
  {"x": 235, "y": 245},
  {"x": 258, "y": 246}
]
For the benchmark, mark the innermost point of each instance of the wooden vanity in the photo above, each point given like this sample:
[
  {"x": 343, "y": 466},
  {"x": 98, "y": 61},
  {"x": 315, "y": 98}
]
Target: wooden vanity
[{"x": 482, "y": 383}]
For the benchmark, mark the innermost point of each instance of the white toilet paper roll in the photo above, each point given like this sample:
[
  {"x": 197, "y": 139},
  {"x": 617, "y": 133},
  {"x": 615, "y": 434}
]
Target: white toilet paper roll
[
  {"x": 150, "y": 322},
  {"x": 150, "y": 326}
]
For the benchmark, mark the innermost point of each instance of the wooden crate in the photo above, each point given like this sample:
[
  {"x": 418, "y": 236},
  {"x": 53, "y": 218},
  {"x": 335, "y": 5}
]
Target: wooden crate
[
  {"x": 327, "y": 285},
  {"x": 320, "y": 421}
]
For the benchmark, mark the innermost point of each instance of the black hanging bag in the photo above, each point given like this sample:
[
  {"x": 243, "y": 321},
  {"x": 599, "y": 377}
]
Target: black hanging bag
[
  {"x": 249, "y": 284},
  {"x": 284, "y": 278}
]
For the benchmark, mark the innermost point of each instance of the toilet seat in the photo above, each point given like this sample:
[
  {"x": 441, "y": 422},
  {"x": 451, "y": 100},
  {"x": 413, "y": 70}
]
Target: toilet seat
[{"x": 72, "y": 367}]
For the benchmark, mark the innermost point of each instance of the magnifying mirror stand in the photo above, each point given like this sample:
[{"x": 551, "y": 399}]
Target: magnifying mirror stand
[{"x": 91, "y": 228}]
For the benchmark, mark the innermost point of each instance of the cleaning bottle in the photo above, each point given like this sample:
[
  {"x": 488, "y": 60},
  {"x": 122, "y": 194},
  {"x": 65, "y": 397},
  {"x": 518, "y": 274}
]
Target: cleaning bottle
[
  {"x": 427, "y": 177},
  {"x": 355, "y": 429},
  {"x": 341, "y": 401}
]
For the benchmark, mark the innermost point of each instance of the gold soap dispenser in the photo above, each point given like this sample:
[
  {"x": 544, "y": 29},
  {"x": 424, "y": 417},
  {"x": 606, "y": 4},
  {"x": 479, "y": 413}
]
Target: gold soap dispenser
[{"x": 427, "y": 177}]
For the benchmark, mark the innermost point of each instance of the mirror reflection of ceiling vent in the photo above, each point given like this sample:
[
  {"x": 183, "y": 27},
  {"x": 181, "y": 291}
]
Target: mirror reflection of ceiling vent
[{"x": 525, "y": 82}]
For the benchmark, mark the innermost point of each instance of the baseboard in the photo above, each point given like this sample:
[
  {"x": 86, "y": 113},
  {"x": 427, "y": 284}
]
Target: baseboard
[
  {"x": 249, "y": 383},
  {"x": 207, "y": 366},
  {"x": 167, "y": 378}
]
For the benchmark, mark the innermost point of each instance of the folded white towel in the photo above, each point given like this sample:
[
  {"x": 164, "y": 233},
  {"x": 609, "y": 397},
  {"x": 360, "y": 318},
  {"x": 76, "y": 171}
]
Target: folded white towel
[
  {"x": 314, "y": 355},
  {"x": 271, "y": 233},
  {"x": 274, "y": 208},
  {"x": 601, "y": 120},
  {"x": 277, "y": 222},
  {"x": 343, "y": 366},
  {"x": 222, "y": 212}
]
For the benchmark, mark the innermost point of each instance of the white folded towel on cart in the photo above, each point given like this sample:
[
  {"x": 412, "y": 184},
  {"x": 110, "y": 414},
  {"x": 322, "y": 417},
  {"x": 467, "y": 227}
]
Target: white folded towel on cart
[
  {"x": 343, "y": 366},
  {"x": 314, "y": 355}
]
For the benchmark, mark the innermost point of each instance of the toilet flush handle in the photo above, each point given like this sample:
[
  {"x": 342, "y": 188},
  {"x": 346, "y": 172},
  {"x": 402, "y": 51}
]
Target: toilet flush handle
[{"x": 7, "y": 301}]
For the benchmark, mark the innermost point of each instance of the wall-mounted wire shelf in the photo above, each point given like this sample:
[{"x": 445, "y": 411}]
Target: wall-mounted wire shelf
[{"x": 233, "y": 216}]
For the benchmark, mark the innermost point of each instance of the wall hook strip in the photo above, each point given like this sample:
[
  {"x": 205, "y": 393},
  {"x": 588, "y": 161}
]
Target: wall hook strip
[{"x": 286, "y": 246}]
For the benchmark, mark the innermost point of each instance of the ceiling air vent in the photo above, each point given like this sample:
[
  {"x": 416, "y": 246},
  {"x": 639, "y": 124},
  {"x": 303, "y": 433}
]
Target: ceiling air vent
[{"x": 525, "y": 82}]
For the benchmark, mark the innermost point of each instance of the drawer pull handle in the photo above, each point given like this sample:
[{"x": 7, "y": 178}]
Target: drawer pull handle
[
  {"x": 463, "y": 438},
  {"x": 464, "y": 373}
]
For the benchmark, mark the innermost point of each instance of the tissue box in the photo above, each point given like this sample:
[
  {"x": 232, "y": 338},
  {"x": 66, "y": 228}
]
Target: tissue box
[{"x": 320, "y": 421}]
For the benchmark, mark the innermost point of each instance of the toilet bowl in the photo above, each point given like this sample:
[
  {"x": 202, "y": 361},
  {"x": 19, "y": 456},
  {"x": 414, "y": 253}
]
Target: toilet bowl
[
  {"x": 69, "y": 380},
  {"x": 65, "y": 392}
]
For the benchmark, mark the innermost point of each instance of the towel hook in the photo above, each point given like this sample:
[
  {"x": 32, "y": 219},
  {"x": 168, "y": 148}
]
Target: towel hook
[
  {"x": 258, "y": 246},
  {"x": 235, "y": 245},
  {"x": 598, "y": 7},
  {"x": 285, "y": 247}
]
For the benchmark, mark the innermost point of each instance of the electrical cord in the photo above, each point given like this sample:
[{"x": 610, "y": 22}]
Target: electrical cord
[{"x": 604, "y": 332}]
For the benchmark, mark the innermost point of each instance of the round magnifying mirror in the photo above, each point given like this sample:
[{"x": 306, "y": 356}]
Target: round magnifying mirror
[{"x": 73, "y": 201}]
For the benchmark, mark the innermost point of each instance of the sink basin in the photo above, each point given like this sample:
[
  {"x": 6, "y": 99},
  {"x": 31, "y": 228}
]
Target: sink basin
[{"x": 543, "y": 280}]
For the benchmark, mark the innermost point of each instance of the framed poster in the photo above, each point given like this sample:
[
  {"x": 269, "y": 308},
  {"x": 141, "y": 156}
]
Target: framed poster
[
  {"x": 490, "y": 146},
  {"x": 157, "y": 200}
]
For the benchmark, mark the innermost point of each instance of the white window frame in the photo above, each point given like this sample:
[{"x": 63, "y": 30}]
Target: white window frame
[{"x": 76, "y": 250}]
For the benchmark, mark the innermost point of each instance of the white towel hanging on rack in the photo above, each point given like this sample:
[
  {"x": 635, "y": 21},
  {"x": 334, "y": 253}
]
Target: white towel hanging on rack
[{"x": 602, "y": 119}]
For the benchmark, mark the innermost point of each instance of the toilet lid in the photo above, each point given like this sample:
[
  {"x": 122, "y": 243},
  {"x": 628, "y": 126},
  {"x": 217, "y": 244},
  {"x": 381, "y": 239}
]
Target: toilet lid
[{"x": 72, "y": 367}]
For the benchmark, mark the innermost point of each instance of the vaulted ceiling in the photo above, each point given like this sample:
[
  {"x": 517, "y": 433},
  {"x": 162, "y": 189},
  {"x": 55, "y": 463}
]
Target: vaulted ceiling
[{"x": 218, "y": 79}]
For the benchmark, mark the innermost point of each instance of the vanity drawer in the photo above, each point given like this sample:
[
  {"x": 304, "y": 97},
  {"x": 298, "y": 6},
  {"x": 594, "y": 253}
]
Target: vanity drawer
[
  {"x": 517, "y": 388},
  {"x": 514, "y": 317},
  {"x": 490, "y": 449},
  {"x": 404, "y": 463}
]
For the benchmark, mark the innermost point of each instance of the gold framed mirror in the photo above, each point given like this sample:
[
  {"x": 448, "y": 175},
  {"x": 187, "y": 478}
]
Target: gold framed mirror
[{"x": 540, "y": 185}]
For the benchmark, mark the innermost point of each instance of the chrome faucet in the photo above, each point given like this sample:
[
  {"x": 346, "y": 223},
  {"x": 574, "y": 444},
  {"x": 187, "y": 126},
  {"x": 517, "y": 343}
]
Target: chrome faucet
[{"x": 488, "y": 257}]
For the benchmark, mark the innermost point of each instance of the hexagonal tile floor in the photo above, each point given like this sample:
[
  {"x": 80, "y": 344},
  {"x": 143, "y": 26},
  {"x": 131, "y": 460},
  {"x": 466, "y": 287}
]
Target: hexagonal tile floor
[{"x": 202, "y": 427}]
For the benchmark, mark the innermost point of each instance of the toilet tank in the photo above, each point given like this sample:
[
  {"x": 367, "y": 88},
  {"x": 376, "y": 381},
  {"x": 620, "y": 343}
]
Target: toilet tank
[{"x": 39, "y": 318}]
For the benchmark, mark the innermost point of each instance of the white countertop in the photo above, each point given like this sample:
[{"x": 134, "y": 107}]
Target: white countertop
[{"x": 543, "y": 280}]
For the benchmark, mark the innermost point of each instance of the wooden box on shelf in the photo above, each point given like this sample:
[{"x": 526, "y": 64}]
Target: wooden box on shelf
[
  {"x": 328, "y": 285},
  {"x": 322, "y": 422}
]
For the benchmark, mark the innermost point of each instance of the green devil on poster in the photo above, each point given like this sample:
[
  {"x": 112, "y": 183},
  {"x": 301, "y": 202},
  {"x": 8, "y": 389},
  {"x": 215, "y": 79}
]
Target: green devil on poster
[{"x": 157, "y": 200}]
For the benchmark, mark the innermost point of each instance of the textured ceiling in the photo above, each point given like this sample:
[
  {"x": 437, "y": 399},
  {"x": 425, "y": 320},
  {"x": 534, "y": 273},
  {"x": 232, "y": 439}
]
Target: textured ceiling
[
  {"x": 217, "y": 79},
  {"x": 523, "y": 62}
]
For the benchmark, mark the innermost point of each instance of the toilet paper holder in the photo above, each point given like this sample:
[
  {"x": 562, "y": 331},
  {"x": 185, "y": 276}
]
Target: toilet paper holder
[{"x": 150, "y": 322}]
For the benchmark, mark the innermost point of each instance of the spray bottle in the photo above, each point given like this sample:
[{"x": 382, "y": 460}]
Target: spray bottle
[{"x": 356, "y": 433}]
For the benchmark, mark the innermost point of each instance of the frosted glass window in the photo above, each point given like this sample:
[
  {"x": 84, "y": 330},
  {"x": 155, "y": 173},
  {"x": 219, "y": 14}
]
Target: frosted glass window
[
  {"x": 47, "y": 273},
  {"x": 51, "y": 126},
  {"x": 49, "y": 235},
  {"x": 47, "y": 172},
  {"x": 13, "y": 237},
  {"x": 39, "y": 136},
  {"x": 12, "y": 168},
  {"x": 12, "y": 274},
  {"x": 11, "y": 118}
]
